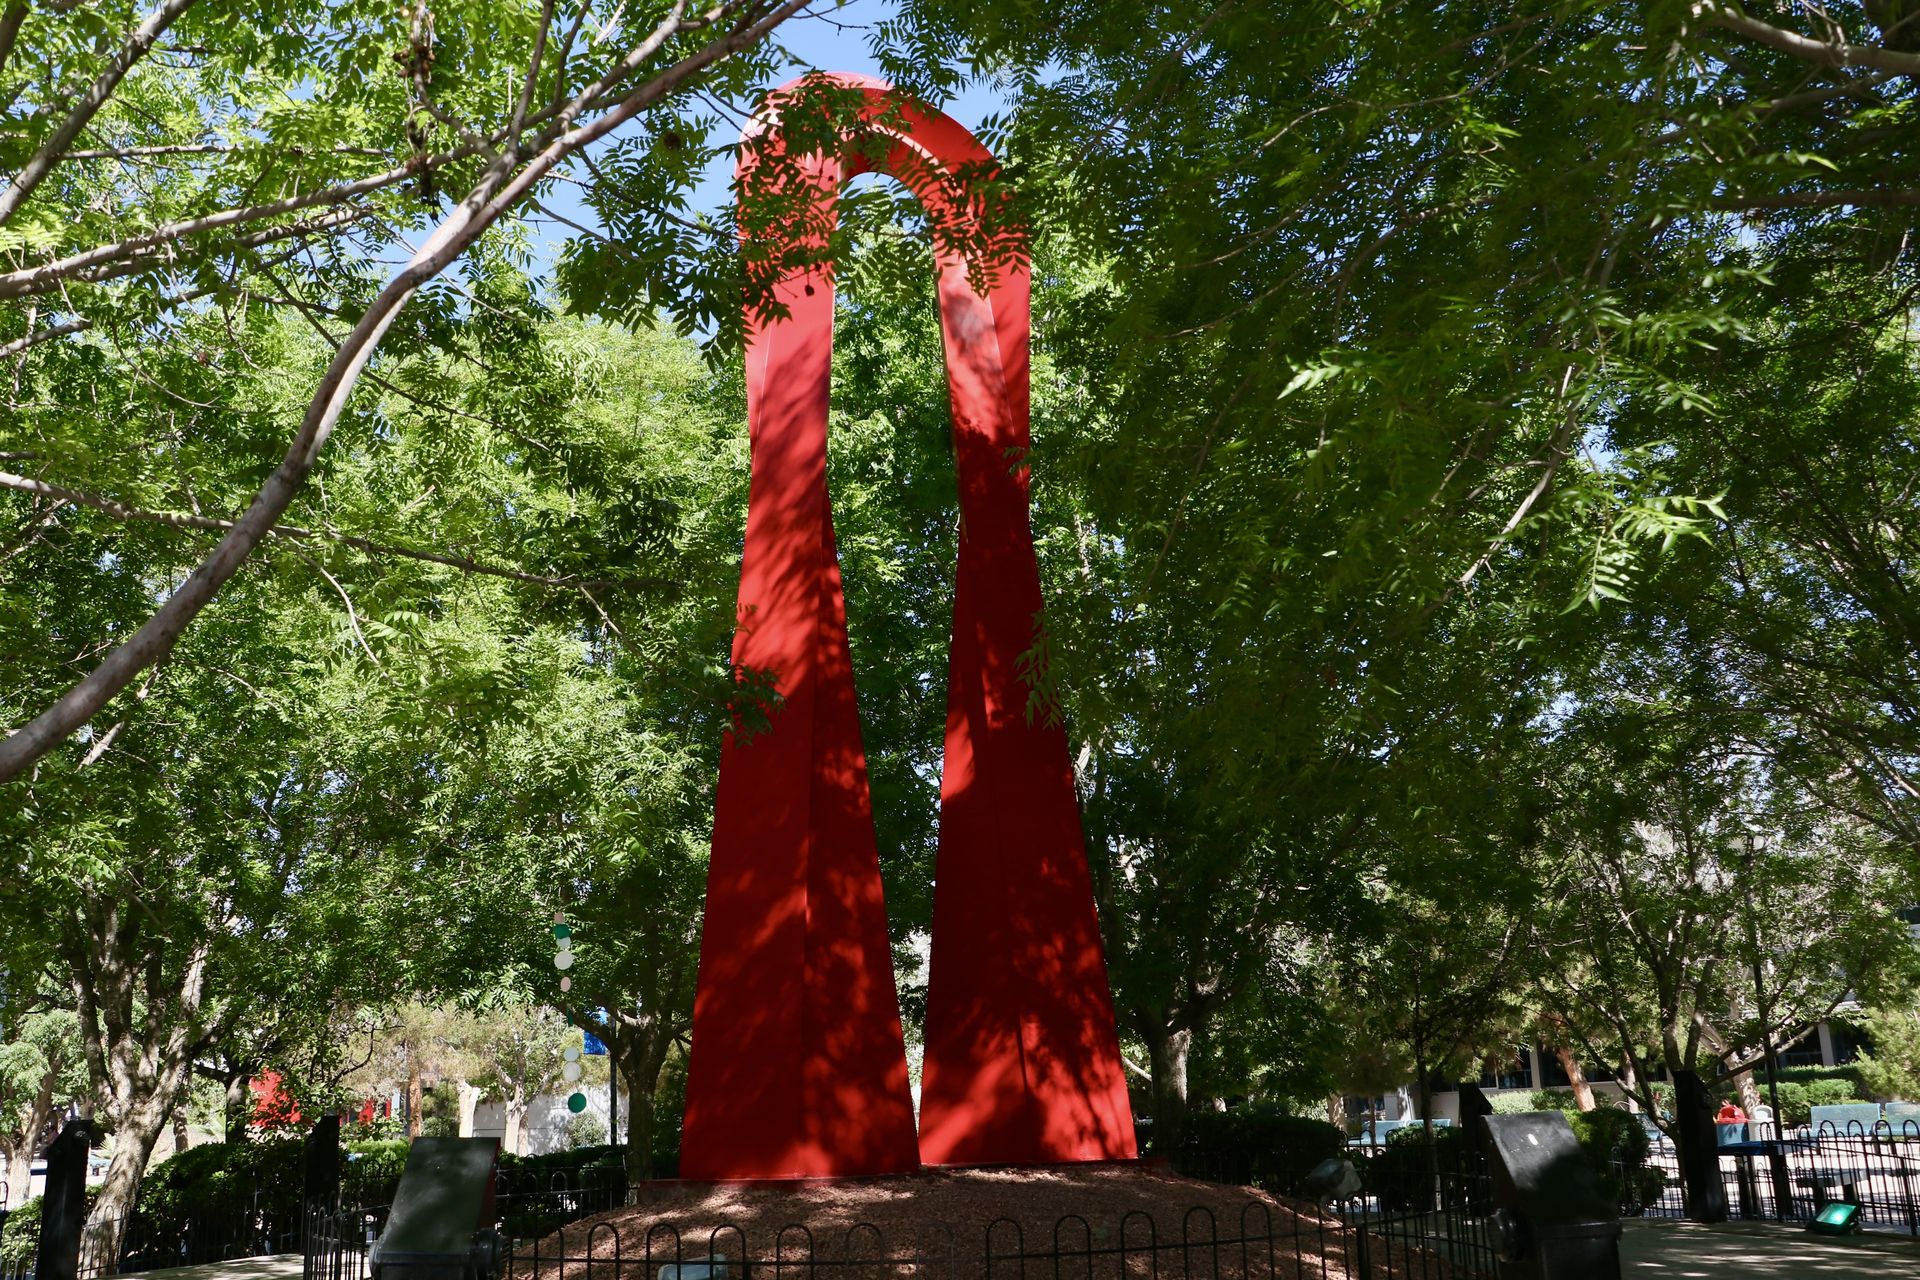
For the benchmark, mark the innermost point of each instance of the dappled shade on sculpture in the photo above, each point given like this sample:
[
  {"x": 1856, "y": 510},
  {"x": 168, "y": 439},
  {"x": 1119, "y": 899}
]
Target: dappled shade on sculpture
[{"x": 799, "y": 1066}]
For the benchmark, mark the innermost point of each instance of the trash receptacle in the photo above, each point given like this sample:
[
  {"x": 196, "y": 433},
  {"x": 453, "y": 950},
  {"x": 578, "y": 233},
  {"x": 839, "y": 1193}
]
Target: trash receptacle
[{"x": 1553, "y": 1220}]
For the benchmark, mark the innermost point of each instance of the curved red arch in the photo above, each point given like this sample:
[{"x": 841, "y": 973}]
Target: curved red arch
[{"x": 798, "y": 1066}]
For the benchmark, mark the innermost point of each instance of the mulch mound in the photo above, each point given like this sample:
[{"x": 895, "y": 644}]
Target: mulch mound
[{"x": 1107, "y": 1220}]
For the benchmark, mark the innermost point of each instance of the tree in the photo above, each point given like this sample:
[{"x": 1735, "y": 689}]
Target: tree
[
  {"x": 1892, "y": 1068},
  {"x": 1711, "y": 905},
  {"x": 41, "y": 1074},
  {"x": 521, "y": 1049},
  {"x": 292, "y": 179}
]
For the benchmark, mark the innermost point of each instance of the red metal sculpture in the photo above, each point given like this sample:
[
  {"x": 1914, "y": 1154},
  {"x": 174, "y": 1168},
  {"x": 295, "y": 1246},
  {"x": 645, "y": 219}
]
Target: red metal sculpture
[{"x": 798, "y": 1066}]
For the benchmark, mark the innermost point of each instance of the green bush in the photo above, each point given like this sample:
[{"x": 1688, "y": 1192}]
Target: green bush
[
  {"x": 370, "y": 1171},
  {"x": 1798, "y": 1098},
  {"x": 219, "y": 1179},
  {"x": 1261, "y": 1145},
  {"x": 21, "y": 1239},
  {"x": 669, "y": 1113},
  {"x": 586, "y": 1131},
  {"x": 1517, "y": 1103},
  {"x": 1617, "y": 1143},
  {"x": 598, "y": 1155},
  {"x": 1400, "y": 1170},
  {"x": 381, "y": 1129},
  {"x": 1807, "y": 1075}
]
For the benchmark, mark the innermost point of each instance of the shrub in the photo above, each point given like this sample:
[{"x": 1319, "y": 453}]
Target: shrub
[
  {"x": 380, "y": 1129},
  {"x": 586, "y": 1131},
  {"x": 222, "y": 1179},
  {"x": 1807, "y": 1075},
  {"x": 1617, "y": 1143},
  {"x": 1798, "y": 1098},
  {"x": 528, "y": 1170},
  {"x": 669, "y": 1114},
  {"x": 20, "y": 1241},
  {"x": 1399, "y": 1170},
  {"x": 370, "y": 1171},
  {"x": 1517, "y": 1103},
  {"x": 1261, "y": 1145}
]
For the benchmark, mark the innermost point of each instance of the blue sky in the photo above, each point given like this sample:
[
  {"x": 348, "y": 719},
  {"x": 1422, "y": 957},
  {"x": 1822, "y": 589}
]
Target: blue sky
[{"x": 827, "y": 38}]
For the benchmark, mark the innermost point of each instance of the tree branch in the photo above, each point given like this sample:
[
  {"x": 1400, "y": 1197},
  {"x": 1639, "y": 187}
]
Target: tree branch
[
  {"x": 1825, "y": 53},
  {"x": 99, "y": 262},
  {"x": 183, "y": 520},
  {"x": 16, "y": 13},
  {"x": 489, "y": 199},
  {"x": 35, "y": 171},
  {"x": 200, "y": 149},
  {"x": 1818, "y": 200}
]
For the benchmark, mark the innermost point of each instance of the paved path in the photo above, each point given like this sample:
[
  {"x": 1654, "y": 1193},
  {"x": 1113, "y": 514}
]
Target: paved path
[
  {"x": 1663, "y": 1249},
  {"x": 276, "y": 1266}
]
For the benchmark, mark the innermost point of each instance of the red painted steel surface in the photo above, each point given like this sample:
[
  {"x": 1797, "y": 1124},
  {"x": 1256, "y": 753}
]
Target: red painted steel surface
[{"x": 798, "y": 1066}]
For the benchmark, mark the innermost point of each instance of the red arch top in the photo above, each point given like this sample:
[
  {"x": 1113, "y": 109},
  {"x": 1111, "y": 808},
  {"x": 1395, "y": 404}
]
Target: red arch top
[{"x": 798, "y": 1066}]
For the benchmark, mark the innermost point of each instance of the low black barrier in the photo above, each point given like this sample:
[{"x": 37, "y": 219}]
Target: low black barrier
[
  {"x": 1876, "y": 1168},
  {"x": 140, "y": 1242}
]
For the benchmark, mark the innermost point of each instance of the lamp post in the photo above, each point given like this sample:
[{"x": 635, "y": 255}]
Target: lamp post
[{"x": 1776, "y": 1154}]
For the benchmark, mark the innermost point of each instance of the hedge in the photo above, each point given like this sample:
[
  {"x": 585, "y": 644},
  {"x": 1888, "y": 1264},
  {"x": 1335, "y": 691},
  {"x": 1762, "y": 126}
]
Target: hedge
[
  {"x": 20, "y": 1239},
  {"x": 1260, "y": 1145}
]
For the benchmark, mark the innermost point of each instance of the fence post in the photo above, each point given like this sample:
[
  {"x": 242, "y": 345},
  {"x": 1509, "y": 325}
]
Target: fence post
[
  {"x": 63, "y": 1210},
  {"x": 319, "y": 1190},
  {"x": 320, "y": 1164}
]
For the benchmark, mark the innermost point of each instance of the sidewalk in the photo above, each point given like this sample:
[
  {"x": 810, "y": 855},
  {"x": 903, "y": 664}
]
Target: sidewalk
[
  {"x": 1651, "y": 1248},
  {"x": 278, "y": 1266}
]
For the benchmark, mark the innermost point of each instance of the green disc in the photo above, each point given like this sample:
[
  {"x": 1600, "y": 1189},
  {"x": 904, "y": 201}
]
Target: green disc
[{"x": 577, "y": 1103}]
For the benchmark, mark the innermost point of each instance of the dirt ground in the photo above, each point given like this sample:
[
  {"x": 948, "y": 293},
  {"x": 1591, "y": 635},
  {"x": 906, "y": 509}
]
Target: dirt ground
[{"x": 1109, "y": 1220}]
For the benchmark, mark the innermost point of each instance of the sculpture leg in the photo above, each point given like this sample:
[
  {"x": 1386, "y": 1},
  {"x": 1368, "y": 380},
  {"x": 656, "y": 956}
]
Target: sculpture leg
[{"x": 798, "y": 1066}]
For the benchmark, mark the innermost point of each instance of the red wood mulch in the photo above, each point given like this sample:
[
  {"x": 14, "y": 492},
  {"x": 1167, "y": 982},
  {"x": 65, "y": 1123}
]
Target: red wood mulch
[{"x": 1109, "y": 1220}]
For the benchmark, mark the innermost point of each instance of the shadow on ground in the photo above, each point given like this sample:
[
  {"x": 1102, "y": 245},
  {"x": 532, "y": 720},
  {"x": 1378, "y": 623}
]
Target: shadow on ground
[{"x": 1666, "y": 1250}]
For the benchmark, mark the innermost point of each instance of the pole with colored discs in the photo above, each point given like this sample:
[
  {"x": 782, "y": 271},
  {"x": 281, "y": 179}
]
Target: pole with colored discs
[{"x": 563, "y": 961}]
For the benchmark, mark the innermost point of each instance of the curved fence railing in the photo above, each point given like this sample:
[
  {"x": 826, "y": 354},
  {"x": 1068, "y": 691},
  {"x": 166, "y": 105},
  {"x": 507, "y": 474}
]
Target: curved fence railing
[
  {"x": 1874, "y": 1167},
  {"x": 148, "y": 1242}
]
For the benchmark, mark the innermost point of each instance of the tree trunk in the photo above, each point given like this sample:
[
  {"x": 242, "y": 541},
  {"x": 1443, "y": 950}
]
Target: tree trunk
[
  {"x": 19, "y": 1154},
  {"x": 19, "y": 1173},
  {"x": 234, "y": 1112},
  {"x": 469, "y": 1099},
  {"x": 613, "y": 1082},
  {"x": 416, "y": 1095},
  {"x": 643, "y": 1053},
  {"x": 140, "y": 1023},
  {"x": 134, "y": 1136},
  {"x": 1337, "y": 1111},
  {"x": 1167, "y": 1054},
  {"x": 1582, "y": 1091},
  {"x": 1747, "y": 1090},
  {"x": 515, "y": 1139}
]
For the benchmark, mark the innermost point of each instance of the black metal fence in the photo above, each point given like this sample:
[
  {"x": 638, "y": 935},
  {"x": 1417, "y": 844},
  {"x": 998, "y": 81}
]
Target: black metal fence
[
  {"x": 1877, "y": 1169},
  {"x": 1438, "y": 1233},
  {"x": 248, "y": 1226},
  {"x": 1256, "y": 1243},
  {"x": 336, "y": 1237}
]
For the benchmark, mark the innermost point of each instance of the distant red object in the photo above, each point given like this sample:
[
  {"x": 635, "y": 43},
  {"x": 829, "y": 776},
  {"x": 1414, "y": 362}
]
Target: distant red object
[
  {"x": 799, "y": 1066},
  {"x": 273, "y": 1106},
  {"x": 1729, "y": 1113}
]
